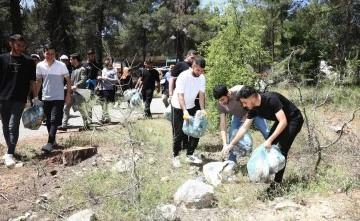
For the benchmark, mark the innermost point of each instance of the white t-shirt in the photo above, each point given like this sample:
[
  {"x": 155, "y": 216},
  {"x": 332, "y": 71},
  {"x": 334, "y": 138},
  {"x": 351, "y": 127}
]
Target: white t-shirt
[
  {"x": 53, "y": 79},
  {"x": 190, "y": 86}
]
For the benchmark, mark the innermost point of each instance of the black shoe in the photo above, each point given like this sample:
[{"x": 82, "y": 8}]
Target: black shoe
[
  {"x": 62, "y": 128},
  {"x": 274, "y": 190}
]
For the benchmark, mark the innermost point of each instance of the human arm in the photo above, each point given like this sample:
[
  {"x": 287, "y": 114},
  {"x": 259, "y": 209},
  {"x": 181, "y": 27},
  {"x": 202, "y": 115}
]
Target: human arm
[
  {"x": 171, "y": 87},
  {"x": 280, "y": 116},
  {"x": 183, "y": 105},
  {"x": 68, "y": 90},
  {"x": 83, "y": 78},
  {"x": 223, "y": 128}
]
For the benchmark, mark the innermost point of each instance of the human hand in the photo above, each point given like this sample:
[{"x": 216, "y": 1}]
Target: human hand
[
  {"x": 36, "y": 101},
  {"x": 205, "y": 114},
  {"x": 158, "y": 90},
  {"x": 186, "y": 115},
  {"x": 169, "y": 99},
  {"x": 226, "y": 149},
  {"x": 267, "y": 144}
]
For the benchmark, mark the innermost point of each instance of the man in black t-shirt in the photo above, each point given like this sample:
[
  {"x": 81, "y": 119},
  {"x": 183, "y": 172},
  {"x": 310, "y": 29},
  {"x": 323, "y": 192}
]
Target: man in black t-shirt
[
  {"x": 275, "y": 107},
  {"x": 17, "y": 74},
  {"x": 93, "y": 69},
  {"x": 147, "y": 82}
]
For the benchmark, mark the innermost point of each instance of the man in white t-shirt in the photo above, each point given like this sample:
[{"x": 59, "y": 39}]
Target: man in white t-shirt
[
  {"x": 189, "y": 84},
  {"x": 51, "y": 73}
]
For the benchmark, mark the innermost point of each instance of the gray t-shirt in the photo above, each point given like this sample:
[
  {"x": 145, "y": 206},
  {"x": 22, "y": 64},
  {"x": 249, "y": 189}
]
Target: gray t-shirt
[
  {"x": 53, "y": 79},
  {"x": 233, "y": 107}
]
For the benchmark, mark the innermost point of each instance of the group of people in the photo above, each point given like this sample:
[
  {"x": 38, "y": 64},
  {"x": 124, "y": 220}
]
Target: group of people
[{"x": 183, "y": 89}]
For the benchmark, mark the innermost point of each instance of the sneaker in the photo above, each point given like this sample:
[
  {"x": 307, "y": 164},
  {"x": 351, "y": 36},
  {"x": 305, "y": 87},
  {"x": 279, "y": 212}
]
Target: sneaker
[
  {"x": 193, "y": 159},
  {"x": 9, "y": 160},
  {"x": 229, "y": 167},
  {"x": 176, "y": 162},
  {"x": 48, "y": 147}
]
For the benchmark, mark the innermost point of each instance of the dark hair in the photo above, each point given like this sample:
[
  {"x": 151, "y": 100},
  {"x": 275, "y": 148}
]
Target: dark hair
[
  {"x": 192, "y": 51},
  {"x": 16, "y": 37},
  {"x": 200, "y": 61},
  {"x": 148, "y": 61},
  {"x": 48, "y": 47},
  {"x": 91, "y": 51},
  {"x": 245, "y": 92},
  {"x": 220, "y": 91},
  {"x": 76, "y": 56},
  {"x": 108, "y": 58}
]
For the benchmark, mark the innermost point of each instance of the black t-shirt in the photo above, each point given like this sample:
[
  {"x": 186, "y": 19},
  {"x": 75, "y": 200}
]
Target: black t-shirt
[
  {"x": 16, "y": 72},
  {"x": 92, "y": 69},
  {"x": 148, "y": 78},
  {"x": 271, "y": 103},
  {"x": 179, "y": 67}
]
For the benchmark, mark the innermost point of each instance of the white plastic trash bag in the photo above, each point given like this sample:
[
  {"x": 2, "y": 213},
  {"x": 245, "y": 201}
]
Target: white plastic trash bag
[
  {"x": 264, "y": 162},
  {"x": 244, "y": 146},
  {"x": 195, "y": 126},
  {"x": 167, "y": 113},
  {"x": 212, "y": 172},
  {"x": 32, "y": 117},
  {"x": 86, "y": 93},
  {"x": 129, "y": 93},
  {"x": 135, "y": 99}
]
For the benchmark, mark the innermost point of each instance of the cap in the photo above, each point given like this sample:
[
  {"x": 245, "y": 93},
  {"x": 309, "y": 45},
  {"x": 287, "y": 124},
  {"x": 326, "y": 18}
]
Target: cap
[
  {"x": 91, "y": 51},
  {"x": 64, "y": 57},
  {"x": 35, "y": 56}
]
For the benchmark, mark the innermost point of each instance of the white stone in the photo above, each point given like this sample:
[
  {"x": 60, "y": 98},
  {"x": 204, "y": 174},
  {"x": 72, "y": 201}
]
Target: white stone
[
  {"x": 84, "y": 215},
  {"x": 152, "y": 161},
  {"x": 122, "y": 166},
  {"x": 20, "y": 218},
  {"x": 167, "y": 212},
  {"x": 195, "y": 195},
  {"x": 164, "y": 179},
  {"x": 18, "y": 165}
]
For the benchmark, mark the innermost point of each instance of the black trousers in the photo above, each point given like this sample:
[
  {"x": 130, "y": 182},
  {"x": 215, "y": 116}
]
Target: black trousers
[
  {"x": 286, "y": 138},
  {"x": 147, "y": 96},
  {"x": 181, "y": 140},
  {"x": 53, "y": 111},
  {"x": 11, "y": 112}
]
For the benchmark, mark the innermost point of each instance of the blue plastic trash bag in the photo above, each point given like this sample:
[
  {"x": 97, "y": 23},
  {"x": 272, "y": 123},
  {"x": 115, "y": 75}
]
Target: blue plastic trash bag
[
  {"x": 265, "y": 162},
  {"x": 167, "y": 113},
  {"x": 32, "y": 117},
  {"x": 91, "y": 84},
  {"x": 244, "y": 146},
  {"x": 135, "y": 99},
  {"x": 129, "y": 93},
  {"x": 195, "y": 126}
]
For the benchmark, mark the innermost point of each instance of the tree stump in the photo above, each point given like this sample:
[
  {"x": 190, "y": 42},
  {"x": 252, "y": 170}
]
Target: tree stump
[{"x": 75, "y": 155}]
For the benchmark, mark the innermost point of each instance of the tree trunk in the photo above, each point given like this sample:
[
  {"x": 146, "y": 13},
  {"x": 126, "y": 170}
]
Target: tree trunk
[{"x": 15, "y": 17}]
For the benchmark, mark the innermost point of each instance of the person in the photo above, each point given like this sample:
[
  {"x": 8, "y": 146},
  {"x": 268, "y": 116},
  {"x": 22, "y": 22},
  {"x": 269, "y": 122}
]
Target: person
[
  {"x": 126, "y": 80},
  {"x": 146, "y": 82},
  {"x": 227, "y": 104},
  {"x": 93, "y": 69},
  {"x": 107, "y": 80},
  {"x": 275, "y": 107},
  {"x": 17, "y": 74},
  {"x": 180, "y": 67},
  {"x": 189, "y": 84},
  {"x": 36, "y": 59},
  {"x": 53, "y": 72},
  {"x": 165, "y": 91},
  {"x": 65, "y": 59},
  {"x": 78, "y": 81}
]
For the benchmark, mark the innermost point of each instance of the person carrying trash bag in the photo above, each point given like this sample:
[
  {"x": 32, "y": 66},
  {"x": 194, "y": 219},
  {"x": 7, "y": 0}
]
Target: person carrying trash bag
[
  {"x": 275, "y": 107},
  {"x": 189, "y": 84},
  {"x": 227, "y": 104}
]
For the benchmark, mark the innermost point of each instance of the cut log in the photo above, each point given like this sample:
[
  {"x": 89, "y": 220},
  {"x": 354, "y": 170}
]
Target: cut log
[{"x": 75, "y": 155}]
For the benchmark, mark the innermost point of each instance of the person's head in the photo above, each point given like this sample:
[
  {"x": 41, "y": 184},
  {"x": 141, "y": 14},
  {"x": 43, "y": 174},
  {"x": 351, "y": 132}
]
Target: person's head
[
  {"x": 248, "y": 96},
  {"x": 75, "y": 59},
  {"x": 17, "y": 44},
  {"x": 108, "y": 62},
  {"x": 148, "y": 64},
  {"x": 35, "y": 58},
  {"x": 49, "y": 51},
  {"x": 198, "y": 66},
  {"x": 91, "y": 55},
  {"x": 117, "y": 67},
  {"x": 171, "y": 67},
  {"x": 221, "y": 93},
  {"x": 125, "y": 71},
  {"x": 64, "y": 59},
  {"x": 191, "y": 55}
]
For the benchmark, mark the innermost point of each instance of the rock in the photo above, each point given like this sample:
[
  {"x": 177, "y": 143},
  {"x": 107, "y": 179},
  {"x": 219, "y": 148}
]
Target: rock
[
  {"x": 75, "y": 155},
  {"x": 20, "y": 218},
  {"x": 18, "y": 165},
  {"x": 166, "y": 212},
  {"x": 122, "y": 166},
  {"x": 164, "y": 179},
  {"x": 152, "y": 161},
  {"x": 336, "y": 129},
  {"x": 53, "y": 172},
  {"x": 195, "y": 195},
  {"x": 84, "y": 215}
]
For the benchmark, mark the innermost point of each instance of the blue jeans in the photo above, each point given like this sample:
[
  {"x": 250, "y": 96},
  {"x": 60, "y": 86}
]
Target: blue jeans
[{"x": 260, "y": 124}]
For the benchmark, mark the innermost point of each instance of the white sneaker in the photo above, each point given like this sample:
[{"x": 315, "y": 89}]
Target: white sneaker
[
  {"x": 176, "y": 162},
  {"x": 193, "y": 159},
  {"x": 231, "y": 165},
  {"x": 47, "y": 147},
  {"x": 9, "y": 160}
]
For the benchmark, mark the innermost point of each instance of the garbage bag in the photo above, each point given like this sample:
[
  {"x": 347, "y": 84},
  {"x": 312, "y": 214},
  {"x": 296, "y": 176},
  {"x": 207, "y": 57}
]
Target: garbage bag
[
  {"x": 129, "y": 93},
  {"x": 167, "y": 113},
  {"x": 244, "y": 146},
  {"x": 196, "y": 125},
  {"x": 32, "y": 117},
  {"x": 86, "y": 93},
  {"x": 212, "y": 172},
  {"x": 264, "y": 162},
  {"x": 135, "y": 99}
]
